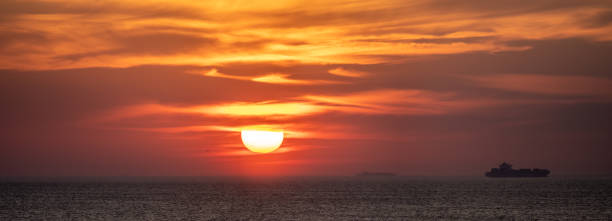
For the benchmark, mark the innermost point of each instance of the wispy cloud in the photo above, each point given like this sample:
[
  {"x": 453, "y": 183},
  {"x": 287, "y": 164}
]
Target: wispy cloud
[
  {"x": 396, "y": 102},
  {"x": 548, "y": 84},
  {"x": 130, "y": 33},
  {"x": 347, "y": 73},
  {"x": 269, "y": 78},
  {"x": 215, "y": 73}
]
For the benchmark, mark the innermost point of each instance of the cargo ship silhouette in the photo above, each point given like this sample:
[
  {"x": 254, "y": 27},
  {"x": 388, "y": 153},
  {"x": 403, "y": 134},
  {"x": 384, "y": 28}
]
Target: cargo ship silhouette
[{"x": 505, "y": 170}]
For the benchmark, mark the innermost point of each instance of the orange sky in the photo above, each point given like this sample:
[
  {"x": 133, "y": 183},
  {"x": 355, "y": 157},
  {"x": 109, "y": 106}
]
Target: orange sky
[{"x": 411, "y": 87}]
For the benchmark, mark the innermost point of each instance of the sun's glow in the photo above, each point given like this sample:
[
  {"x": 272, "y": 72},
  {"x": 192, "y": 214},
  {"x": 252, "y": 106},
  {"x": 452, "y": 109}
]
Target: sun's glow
[{"x": 262, "y": 141}]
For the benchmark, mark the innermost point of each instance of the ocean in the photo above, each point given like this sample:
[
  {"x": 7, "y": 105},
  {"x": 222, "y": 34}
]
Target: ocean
[{"x": 307, "y": 198}]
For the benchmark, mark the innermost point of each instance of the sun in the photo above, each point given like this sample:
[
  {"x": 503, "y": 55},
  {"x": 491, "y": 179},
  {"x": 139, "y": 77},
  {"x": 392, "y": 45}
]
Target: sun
[{"x": 262, "y": 141}]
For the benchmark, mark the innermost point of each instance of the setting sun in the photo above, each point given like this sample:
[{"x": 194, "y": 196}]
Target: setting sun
[{"x": 262, "y": 141}]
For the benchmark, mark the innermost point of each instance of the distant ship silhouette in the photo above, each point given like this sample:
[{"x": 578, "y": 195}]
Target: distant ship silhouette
[
  {"x": 375, "y": 174},
  {"x": 505, "y": 170}
]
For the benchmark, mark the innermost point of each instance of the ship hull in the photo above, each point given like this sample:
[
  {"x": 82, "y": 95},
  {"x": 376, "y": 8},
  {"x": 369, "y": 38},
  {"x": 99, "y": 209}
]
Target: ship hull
[{"x": 517, "y": 173}]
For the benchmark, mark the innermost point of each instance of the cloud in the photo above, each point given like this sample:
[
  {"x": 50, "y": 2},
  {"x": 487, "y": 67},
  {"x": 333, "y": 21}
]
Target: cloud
[
  {"x": 215, "y": 73},
  {"x": 266, "y": 108},
  {"x": 147, "y": 44},
  {"x": 347, "y": 73},
  {"x": 398, "y": 102},
  {"x": 407, "y": 102},
  {"x": 270, "y": 78},
  {"x": 279, "y": 78},
  {"x": 131, "y": 33},
  {"x": 599, "y": 20},
  {"x": 549, "y": 84}
]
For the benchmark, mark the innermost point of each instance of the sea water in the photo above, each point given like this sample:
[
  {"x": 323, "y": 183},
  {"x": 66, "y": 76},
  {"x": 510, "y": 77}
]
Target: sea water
[{"x": 307, "y": 198}]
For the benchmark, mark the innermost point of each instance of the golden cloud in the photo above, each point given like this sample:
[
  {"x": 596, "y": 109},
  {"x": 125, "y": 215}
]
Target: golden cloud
[
  {"x": 73, "y": 34},
  {"x": 270, "y": 78}
]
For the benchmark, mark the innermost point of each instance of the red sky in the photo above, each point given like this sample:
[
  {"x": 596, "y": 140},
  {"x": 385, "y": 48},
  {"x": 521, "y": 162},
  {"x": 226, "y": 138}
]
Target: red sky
[{"x": 133, "y": 88}]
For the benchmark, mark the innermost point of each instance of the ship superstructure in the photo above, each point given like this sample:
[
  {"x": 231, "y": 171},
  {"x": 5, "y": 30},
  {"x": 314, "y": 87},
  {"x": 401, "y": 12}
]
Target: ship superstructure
[{"x": 505, "y": 170}]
